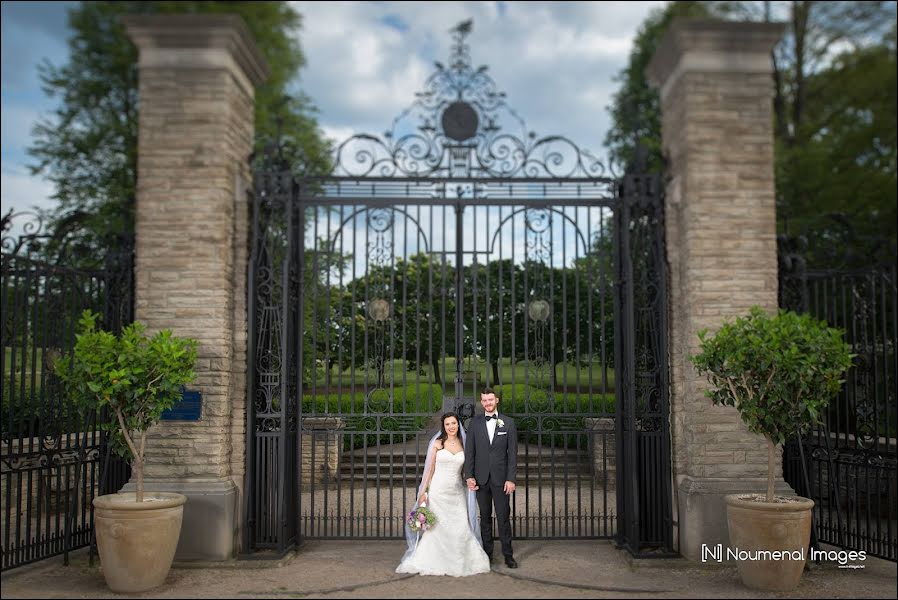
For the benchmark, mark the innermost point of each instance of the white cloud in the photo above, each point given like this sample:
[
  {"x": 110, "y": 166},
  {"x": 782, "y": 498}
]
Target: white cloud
[
  {"x": 555, "y": 60},
  {"x": 23, "y": 193},
  {"x": 336, "y": 132}
]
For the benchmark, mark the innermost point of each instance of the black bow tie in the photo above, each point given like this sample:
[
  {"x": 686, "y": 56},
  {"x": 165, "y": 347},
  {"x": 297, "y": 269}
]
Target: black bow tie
[{"x": 488, "y": 417}]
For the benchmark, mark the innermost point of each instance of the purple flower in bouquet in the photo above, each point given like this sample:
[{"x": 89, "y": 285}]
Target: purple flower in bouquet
[{"x": 421, "y": 519}]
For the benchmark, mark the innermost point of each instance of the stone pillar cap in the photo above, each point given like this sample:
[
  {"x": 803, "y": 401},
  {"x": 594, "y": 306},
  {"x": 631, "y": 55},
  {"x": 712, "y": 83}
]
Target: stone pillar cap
[
  {"x": 738, "y": 44},
  {"x": 189, "y": 31}
]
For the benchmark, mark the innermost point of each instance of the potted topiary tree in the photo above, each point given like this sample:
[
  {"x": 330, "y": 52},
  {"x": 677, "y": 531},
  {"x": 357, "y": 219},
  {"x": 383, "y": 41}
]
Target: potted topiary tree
[
  {"x": 136, "y": 377},
  {"x": 780, "y": 373}
]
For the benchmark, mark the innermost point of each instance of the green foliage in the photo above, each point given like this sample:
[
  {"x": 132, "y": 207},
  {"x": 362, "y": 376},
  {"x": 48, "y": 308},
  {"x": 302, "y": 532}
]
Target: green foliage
[
  {"x": 88, "y": 148},
  {"x": 844, "y": 160},
  {"x": 135, "y": 376},
  {"x": 421, "y": 321},
  {"x": 385, "y": 418},
  {"x": 780, "y": 372},
  {"x": 376, "y": 414},
  {"x": 41, "y": 410},
  {"x": 834, "y": 116},
  {"x": 636, "y": 108},
  {"x": 553, "y": 429},
  {"x": 521, "y": 398},
  {"x": 413, "y": 398},
  {"x": 17, "y": 408}
]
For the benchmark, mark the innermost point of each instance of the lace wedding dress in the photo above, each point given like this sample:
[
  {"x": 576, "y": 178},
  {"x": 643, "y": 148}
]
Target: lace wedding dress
[{"x": 449, "y": 548}]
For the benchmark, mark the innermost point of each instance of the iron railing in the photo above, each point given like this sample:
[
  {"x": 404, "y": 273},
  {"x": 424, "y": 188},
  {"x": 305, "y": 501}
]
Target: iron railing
[
  {"x": 848, "y": 465},
  {"x": 54, "y": 459}
]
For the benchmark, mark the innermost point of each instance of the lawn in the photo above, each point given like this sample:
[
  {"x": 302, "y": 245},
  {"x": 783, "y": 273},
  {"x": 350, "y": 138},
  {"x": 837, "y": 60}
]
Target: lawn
[{"x": 477, "y": 373}]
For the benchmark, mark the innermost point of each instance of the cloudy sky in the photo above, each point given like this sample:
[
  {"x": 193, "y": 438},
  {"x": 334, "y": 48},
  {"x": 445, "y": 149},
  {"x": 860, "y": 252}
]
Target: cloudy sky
[{"x": 555, "y": 60}]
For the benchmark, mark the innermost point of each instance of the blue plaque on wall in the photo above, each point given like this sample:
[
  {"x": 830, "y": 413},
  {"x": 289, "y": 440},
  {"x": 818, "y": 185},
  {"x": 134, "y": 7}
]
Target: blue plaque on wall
[{"x": 188, "y": 408}]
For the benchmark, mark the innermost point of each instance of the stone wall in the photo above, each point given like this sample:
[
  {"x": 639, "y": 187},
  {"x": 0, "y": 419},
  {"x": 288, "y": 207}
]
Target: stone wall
[
  {"x": 322, "y": 446},
  {"x": 602, "y": 450}
]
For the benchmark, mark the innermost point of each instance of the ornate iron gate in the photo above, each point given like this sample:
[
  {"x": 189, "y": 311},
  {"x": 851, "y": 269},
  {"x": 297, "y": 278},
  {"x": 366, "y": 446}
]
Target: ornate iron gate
[
  {"x": 54, "y": 460},
  {"x": 459, "y": 250},
  {"x": 849, "y": 464},
  {"x": 645, "y": 498}
]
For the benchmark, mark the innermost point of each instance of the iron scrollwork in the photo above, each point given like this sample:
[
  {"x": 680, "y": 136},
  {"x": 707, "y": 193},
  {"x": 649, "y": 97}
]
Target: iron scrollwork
[{"x": 456, "y": 128}]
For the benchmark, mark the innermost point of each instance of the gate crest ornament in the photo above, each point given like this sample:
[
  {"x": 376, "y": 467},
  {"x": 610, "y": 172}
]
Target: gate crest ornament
[{"x": 461, "y": 126}]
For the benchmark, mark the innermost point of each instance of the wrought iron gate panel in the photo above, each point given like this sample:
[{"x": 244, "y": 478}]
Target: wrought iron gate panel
[
  {"x": 272, "y": 373},
  {"x": 645, "y": 497},
  {"x": 538, "y": 278},
  {"x": 849, "y": 464},
  {"x": 54, "y": 460},
  {"x": 395, "y": 298},
  {"x": 453, "y": 252}
]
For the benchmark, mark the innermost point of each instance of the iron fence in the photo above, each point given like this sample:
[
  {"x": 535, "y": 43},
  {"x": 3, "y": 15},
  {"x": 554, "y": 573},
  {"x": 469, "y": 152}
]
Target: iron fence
[
  {"x": 54, "y": 459},
  {"x": 848, "y": 464}
]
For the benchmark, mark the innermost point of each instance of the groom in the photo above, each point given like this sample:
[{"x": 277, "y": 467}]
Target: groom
[{"x": 491, "y": 454}]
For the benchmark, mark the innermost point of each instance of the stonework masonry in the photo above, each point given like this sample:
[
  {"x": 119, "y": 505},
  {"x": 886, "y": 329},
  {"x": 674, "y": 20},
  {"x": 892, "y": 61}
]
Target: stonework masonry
[
  {"x": 717, "y": 130},
  {"x": 197, "y": 86}
]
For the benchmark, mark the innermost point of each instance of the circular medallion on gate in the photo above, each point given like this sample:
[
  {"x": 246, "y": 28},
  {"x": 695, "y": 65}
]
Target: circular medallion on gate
[
  {"x": 539, "y": 310},
  {"x": 379, "y": 309},
  {"x": 537, "y": 220},
  {"x": 380, "y": 219},
  {"x": 460, "y": 121}
]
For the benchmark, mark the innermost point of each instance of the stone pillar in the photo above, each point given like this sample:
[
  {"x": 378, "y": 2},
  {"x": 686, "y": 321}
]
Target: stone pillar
[
  {"x": 716, "y": 85},
  {"x": 602, "y": 450},
  {"x": 198, "y": 75},
  {"x": 322, "y": 445}
]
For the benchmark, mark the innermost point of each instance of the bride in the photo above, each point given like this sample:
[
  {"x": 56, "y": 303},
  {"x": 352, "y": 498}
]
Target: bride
[{"x": 452, "y": 546}]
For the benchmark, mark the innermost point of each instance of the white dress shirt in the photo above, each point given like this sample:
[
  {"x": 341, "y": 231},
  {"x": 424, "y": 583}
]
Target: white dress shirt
[{"x": 491, "y": 426}]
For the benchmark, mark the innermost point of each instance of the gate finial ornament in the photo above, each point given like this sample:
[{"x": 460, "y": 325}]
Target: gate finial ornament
[
  {"x": 460, "y": 126},
  {"x": 463, "y": 28}
]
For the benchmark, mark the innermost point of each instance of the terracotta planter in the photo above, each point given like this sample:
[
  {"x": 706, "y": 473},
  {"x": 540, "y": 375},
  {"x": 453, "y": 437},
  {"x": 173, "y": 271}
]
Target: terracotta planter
[
  {"x": 783, "y": 527},
  {"x": 137, "y": 541}
]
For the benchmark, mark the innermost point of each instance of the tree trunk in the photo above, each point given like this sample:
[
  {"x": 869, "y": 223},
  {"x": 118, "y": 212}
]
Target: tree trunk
[
  {"x": 779, "y": 101},
  {"x": 771, "y": 461},
  {"x": 138, "y": 471},
  {"x": 434, "y": 363},
  {"x": 800, "y": 13},
  {"x": 495, "y": 380}
]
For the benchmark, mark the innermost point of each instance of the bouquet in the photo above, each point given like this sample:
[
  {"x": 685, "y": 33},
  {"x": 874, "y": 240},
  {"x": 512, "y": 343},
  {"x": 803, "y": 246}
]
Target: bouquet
[{"x": 421, "y": 519}]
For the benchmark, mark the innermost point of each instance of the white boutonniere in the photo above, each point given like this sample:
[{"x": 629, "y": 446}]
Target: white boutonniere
[{"x": 500, "y": 422}]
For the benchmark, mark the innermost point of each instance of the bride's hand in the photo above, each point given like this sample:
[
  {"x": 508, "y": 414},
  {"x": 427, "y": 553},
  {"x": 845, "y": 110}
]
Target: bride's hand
[{"x": 422, "y": 498}]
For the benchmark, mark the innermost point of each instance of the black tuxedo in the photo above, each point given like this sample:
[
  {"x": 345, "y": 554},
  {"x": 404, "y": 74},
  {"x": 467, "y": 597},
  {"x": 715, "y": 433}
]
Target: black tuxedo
[{"x": 492, "y": 464}]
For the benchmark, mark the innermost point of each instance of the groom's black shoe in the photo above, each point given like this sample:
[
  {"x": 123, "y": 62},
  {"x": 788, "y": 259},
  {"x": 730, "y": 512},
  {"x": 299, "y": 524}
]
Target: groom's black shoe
[{"x": 510, "y": 562}]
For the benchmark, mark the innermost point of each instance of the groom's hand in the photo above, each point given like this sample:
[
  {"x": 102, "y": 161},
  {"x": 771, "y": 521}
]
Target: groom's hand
[
  {"x": 509, "y": 487},
  {"x": 472, "y": 484}
]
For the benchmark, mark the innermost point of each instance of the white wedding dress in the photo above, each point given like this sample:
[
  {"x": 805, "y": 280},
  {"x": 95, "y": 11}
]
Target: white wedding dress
[{"x": 449, "y": 548}]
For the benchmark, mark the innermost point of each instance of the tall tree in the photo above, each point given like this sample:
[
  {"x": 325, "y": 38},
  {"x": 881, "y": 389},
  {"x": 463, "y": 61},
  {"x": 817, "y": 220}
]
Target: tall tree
[
  {"x": 834, "y": 111},
  {"x": 88, "y": 147},
  {"x": 635, "y": 107}
]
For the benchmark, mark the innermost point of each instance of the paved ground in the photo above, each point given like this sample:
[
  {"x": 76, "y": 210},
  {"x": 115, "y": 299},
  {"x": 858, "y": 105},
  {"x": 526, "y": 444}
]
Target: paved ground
[{"x": 558, "y": 569}]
